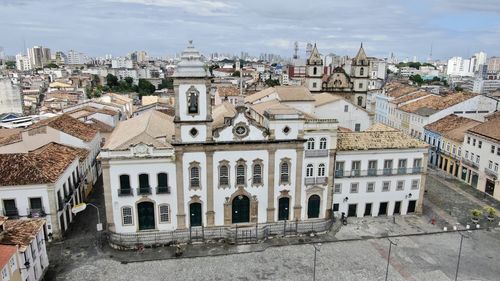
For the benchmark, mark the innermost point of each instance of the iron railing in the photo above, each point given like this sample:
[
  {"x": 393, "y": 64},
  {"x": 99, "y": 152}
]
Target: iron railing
[
  {"x": 11, "y": 212},
  {"x": 379, "y": 172},
  {"x": 316, "y": 180},
  {"x": 490, "y": 173},
  {"x": 125, "y": 192},
  {"x": 162, "y": 190},
  {"x": 36, "y": 212},
  {"x": 316, "y": 153},
  {"x": 470, "y": 163},
  {"x": 144, "y": 190}
]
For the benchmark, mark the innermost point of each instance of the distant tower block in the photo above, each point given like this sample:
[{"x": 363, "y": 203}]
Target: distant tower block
[{"x": 296, "y": 50}]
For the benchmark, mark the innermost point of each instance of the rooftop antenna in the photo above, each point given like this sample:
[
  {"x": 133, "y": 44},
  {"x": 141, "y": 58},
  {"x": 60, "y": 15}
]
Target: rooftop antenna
[{"x": 296, "y": 49}]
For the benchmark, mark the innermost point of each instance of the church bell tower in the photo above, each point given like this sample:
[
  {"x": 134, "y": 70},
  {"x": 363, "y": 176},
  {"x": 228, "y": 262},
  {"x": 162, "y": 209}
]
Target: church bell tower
[{"x": 193, "y": 111}]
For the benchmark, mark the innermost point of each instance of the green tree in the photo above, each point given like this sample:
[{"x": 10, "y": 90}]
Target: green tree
[
  {"x": 10, "y": 64},
  {"x": 129, "y": 81},
  {"x": 272, "y": 82},
  {"x": 51, "y": 65},
  {"x": 417, "y": 79},
  {"x": 459, "y": 89},
  {"x": 145, "y": 87},
  {"x": 111, "y": 81},
  {"x": 166, "y": 83},
  {"x": 236, "y": 74}
]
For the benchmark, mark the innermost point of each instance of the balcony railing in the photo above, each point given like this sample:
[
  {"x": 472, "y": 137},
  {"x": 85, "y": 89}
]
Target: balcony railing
[
  {"x": 470, "y": 163},
  {"x": 379, "y": 172},
  {"x": 144, "y": 190},
  {"x": 316, "y": 180},
  {"x": 36, "y": 212},
  {"x": 491, "y": 173},
  {"x": 125, "y": 192},
  {"x": 316, "y": 153},
  {"x": 11, "y": 212},
  {"x": 162, "y": 190}
]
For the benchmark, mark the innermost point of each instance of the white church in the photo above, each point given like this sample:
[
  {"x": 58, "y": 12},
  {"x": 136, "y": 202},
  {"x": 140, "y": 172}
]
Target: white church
[{"x": 278, "y": 155}]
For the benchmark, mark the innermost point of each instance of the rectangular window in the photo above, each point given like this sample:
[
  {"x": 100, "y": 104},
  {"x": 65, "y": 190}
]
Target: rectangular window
[
  {"x": 477, "y": 159},
  {"x": 372, "y": 167},
  {"x": 414, "y": 184},
  {"x": 346, "y": 108},
  {"x": 493, "y": 149},
  {"x": 467, "y": 154},
  {"x": 338, "y": 188},
  {"x": 387, "y": 167},
  {"x": 479, "y": 144},
  {"x": 5, "y": 274},
  {"x": 336, "y": 207},
  {"x": 490, "y": 165},
  {"x": 400, "y": 185},
  {"x": 459, "y": 151},
  {"x": 240, "y": 174},
  {"x": 473, "y": 142},
  {"x": 468, "y": 140},
  {"x": 354, "y": 187},
  {"x": 357, "y": 127},
  {"x": 127, "y": 216},
  {"x": 386, "y": 185},
  {"x": 257, "y": 174},
  {"x": 370, "y": 187},
  {"x": 495, "y": 168},
  {"x": 164, "y": 213},
  {"x": 498, "y": 150},
  {"x": 10, "y": 208},
  {"x": 356, "y": 168},
  {"x": 402, "y": 166}
]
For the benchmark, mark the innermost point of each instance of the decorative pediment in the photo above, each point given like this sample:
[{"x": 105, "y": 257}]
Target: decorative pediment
[
  {"x": 239, "y": 128},
  {"x": 141, "y": 150}
]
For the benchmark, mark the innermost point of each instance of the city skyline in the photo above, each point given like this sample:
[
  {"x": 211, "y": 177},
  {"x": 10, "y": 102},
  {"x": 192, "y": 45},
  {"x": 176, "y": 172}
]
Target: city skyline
[{"x": 162, "y": 27}]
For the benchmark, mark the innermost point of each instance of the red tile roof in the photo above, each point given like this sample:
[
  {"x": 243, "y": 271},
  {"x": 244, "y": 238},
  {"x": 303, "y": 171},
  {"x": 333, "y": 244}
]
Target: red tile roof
[
  {"x": 6, "y": 252},
  {"x": 69, "y": 125}
]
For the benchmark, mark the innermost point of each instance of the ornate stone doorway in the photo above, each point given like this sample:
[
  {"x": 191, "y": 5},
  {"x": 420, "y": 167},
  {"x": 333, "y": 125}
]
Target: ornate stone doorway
[
  {"x": 283, "y": 209},
  {"x": 240, "y": 209},
  {"x": 313, "y": 206}
]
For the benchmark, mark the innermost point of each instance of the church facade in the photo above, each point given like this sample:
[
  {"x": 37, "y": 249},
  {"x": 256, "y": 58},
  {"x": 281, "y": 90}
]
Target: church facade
[
  {"x": 261, "y": 161},
  {"x": 352, "y": 86}
]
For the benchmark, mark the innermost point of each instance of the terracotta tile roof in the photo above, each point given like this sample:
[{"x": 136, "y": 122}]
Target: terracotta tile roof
[
  {"x": 400, "y": 90},
  {"x": 151, "y": 128},
  {"x": 410, "y": 97},
  {"x": 6, "y": 252},
  {"x": 377, "y": 140},
  {"x": 379, "y": 127},
  {"x": 432, "y": 104},
  {"x": 69, "y": 125},
  {"x": 101, "y": 126},
  {"x": 43, "y": 165},
  {"x": 343, "y": 130},
  {"x": 325, "y": 98},
  {"x": 228, "y": 91},
  {"x": 283, "y": 93},
  {"x": 452, "y": 126},
  {"x": 8, "y": 136},
  {"x": 21, "y": 232},
  {"x": 220, "y": 112},
  {"x": 490, "y": 128},
  {"x": 88, "y": 110}
]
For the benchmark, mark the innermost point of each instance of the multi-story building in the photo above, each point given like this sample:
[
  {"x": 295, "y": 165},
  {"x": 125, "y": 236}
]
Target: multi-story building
[
  {"x": 379, "y": 172},
  {"x": 9, "y": 263},
  {"x": 22, "y": 62},
  {"x": 44, "y": 183},
  {"x": 445, "y": 136},
  {"x": 481, "y": 157},
  {"x": 74, "y": 57},
  {"x": 270, "y": 159},
  {"x": 38, "y": 56},
  {"x": 29, "y": 237},
  {"x": 493, "y": 64}
]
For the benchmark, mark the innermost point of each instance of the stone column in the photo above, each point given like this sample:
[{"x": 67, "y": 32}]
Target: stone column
[
  {"x": 108, "y": 194},
  {"x": 210, "y": 188},
  {"x": 181, "y": 216},
  {"x": 297, "y": 208},
  {"x": 270, "y": 184},
  {"x": 420, "y": 201},
  {"x": 52, "y": 209},
  {"x": 331, "y": 182}
]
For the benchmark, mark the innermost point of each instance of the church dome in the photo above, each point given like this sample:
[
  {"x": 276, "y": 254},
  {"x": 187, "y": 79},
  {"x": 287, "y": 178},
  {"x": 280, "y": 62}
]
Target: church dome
[{"x": 191, "y": 64}]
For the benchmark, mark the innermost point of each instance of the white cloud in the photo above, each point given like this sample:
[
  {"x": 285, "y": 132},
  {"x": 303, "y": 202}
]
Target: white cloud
[{"x": 197, "y": 7}]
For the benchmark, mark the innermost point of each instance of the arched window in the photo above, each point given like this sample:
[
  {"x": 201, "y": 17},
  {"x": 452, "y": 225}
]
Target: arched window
[
  {"x": 322, "y": 143},
  {"x": 162, "y": 180},
  {"x": 321, "y": 170},
  {"x": 360, "y": 101},
  {"x": 193, "y": 96},
  {"x": 194, "y": 175},
  {"x": 309, "y": 170},
  {"x": 315, "y": 70},
  {"x": 257, "y": 174},
  {"x": 240, "y": 174},
  {"x": 164, "y": 211},
  {"x": 143, "y": 181},
  {"x": 285, "y": 172},
  {"x": 361, "y": 71},
  {"x": 310, "y": 143},
  {"x": 125, "y": 182},
  {"x": 127, "y": 218},
  {"x": 224, "y": 175}
]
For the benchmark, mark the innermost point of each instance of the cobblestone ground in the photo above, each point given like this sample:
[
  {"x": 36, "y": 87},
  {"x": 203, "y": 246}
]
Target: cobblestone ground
[
  {"x": 429, "y": 257},
  {"x": 425, "y": 257}
]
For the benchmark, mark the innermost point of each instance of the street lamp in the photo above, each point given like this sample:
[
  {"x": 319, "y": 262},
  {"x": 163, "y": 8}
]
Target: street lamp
[
  {"x": 388, "y": 258},
  {"x": 462, "y": 236},
  {"x": 316, "y": 249},
  {"x": 81, "y": 207}
]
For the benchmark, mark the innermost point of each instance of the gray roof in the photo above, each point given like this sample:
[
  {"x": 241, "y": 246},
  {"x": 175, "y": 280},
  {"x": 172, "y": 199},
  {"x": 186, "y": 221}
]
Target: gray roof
[{"x": 191, "y": 64}]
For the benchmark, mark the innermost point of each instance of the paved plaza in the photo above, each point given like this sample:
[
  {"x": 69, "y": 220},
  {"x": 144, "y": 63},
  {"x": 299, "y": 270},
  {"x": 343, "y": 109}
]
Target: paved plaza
[{"x": 357, "y": 251}]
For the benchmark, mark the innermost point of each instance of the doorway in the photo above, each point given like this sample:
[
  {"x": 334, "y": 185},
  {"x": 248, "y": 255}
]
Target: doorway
[
  {"x": 195, "y": 214},
  {"x": 411, "y": 206},
  {"x": 368, "y": 209},
  {"x": 490, "y": 187},
  {"x": 382, "y": 211},
  {"x": 241, "y": 209},
  {"x": 397, "y": 208},
  {"x": 146, "y": 213},
  {"x": 313, "y": 206},
  {"x": 283, "y": 208},
  {"x": 352, "y": 210}
]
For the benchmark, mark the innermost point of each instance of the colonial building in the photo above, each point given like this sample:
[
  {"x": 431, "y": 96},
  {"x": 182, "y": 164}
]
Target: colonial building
[
  {"x": 353, "y": 86},
  {"x": 270, "y": 158}
]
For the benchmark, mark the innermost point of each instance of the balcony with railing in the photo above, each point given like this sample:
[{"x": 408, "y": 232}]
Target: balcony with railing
[
  {"x": 144, "y": 190},
  {"x": 316, "y": 153},
  {"x": 470, "y": 163},
  {"x": 490, "y": 173},
  {"x": 162, "y": 190},
  {"x": 125, "y": 192},
  {"x": 379, "y": 172},
  {"x": 316, "y": 180},
  {"x": 36, "y": 212}
]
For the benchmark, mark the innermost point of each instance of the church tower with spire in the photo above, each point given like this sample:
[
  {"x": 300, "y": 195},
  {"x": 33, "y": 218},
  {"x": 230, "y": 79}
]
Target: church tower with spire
[
  {"x": 359, "y": 77},
  {"x": 193, "y": 112},
  {"x": 314, "y": 71}
]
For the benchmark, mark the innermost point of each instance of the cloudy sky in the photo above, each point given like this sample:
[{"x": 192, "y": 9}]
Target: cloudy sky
[{"x": 162, "y": 27}]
